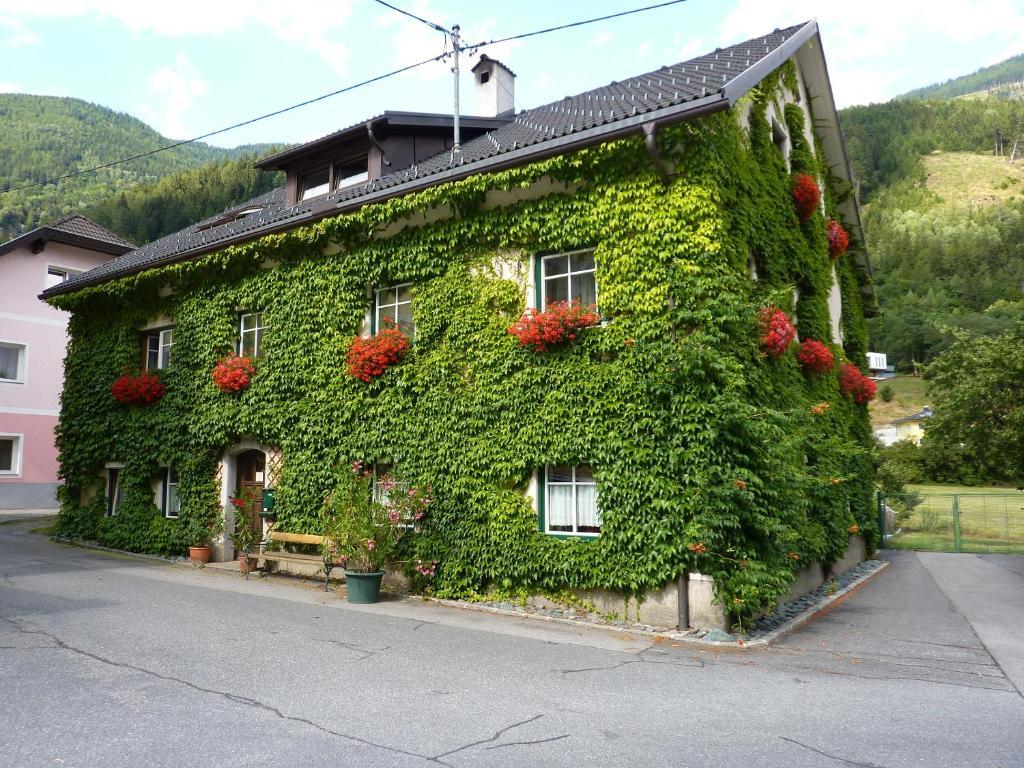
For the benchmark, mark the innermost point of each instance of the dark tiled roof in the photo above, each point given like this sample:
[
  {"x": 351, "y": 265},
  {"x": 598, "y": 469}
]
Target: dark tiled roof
[
  {"x": 73, "y": 230},
  {"x": 672, "y": 93}
]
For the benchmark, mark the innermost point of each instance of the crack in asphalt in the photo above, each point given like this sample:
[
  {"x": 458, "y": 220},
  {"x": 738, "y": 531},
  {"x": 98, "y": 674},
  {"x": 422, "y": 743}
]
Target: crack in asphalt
[
  {"x": 830, "y": 756},
  {"x": 1012, "y": 691},
  {"x": 367, "y": 653},
  {"x": 640, "y": 659},
  {"x": 527, "y": 743},
  {"x": 497, "y": 735},
  {"x": 942, "y": 645}
]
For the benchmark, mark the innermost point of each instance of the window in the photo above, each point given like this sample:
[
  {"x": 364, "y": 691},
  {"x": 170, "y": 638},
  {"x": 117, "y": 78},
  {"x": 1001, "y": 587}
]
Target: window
[
  {"x": 251, "y": 334},
  {"x": 12, "y": 362},
  {"x": 570, "y": 500},
  {"x": 315, "y": 184},
  {"x": 170, "y": 504},
  {"x": 352, "y": 172},
  {"x": 113, "y": 490},
  {"x": 568, "y": 277},
  {"x": 157, "y": 349},
  {"x": 10, "y": 454},
  {"x": 780, "y": 139},
  {"x": 57, "y": 275},
  {"x": 393, "y": 306}
]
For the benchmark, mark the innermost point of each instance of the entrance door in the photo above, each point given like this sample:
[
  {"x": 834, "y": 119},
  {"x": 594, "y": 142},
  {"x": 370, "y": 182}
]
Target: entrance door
[{"x": 249, "y": 482}]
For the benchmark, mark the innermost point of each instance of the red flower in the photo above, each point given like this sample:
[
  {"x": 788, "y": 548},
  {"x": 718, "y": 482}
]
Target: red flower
[
  {"x": 560, "y": 322},
  {"x": 777, "y": 332},
  {"x": 855, "y": 384},
  {"x": 140, "y": 389},
  {"x": 815, "y": 357},
  {"x": 806, "y": 195},
  {"x": 232, "y": 373},
  {"x": 838, "y": 240},
  {"x": 370, "y": 357}
]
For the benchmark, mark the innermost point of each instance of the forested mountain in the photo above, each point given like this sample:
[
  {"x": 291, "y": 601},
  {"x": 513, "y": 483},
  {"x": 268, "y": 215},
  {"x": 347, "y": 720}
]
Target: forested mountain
[
  {"x": 943, "y": 218},
  {"x": 987, "y": 78},
  {"x": 42, "y": 137}
]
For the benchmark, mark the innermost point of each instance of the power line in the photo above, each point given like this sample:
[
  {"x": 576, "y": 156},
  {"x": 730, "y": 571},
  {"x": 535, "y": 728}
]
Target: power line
[
  {"x": 194, "y": 139},
  {"x": 420, "y": 19},
  {"x": 574, "y": 24}
]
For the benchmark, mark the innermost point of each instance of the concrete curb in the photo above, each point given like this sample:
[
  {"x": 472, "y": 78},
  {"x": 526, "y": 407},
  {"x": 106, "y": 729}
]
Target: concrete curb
[{"x": 684, "y": 637}]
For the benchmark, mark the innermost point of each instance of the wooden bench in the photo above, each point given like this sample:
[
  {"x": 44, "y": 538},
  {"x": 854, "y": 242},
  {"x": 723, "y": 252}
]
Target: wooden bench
[{"x": 297, "y": 538}]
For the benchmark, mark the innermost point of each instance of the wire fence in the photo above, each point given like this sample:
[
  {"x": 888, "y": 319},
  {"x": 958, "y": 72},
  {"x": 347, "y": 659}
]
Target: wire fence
[{"x": 953, "y": 522}]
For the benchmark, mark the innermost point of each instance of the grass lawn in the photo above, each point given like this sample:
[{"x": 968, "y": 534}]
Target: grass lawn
[
  {"x": 991, "y": 520},
  {"x": 909, "y": 396},
  {"x": 964, "y": 178}
]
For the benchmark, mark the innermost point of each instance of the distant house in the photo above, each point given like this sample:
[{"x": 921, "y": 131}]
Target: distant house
[
  {"x": 879, "y": 366},
  {"x": 33, "y": 338},
  {"x": 912, "y": 427}
]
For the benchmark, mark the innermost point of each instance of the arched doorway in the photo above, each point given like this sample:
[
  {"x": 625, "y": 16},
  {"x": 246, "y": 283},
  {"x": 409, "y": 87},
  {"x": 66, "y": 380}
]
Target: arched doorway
[{"x": 245, "y": 465}]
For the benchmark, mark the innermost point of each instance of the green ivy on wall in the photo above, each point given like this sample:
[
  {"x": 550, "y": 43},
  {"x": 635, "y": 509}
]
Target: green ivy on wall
[{"x": 696, "y": 437}]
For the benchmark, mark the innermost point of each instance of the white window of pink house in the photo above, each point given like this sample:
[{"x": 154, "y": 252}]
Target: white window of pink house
[
  {"x": 10, "y": 455},
  {"x": 12, "y": 362},
  {"x": 56, "y": 275}
]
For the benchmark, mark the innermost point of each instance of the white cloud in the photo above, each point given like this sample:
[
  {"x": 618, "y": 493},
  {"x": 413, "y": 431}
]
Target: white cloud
[
  {"x": 603, "y": 37},
  {"x": 862, "y": 39},
  {"x": 316, "y": 24},
  {"x": 176, "y": 86},
  {"x": 10, "y": 88},
  {"x": 643, "y": 51},
  {"x": 14, "y": 32}
]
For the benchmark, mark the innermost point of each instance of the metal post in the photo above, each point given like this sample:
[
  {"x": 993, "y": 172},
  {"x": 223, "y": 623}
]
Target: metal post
[
  {"x": 455, "y": 69},
  {"x": 880, "y": 500},
  {"x": 956, "y": 523}
]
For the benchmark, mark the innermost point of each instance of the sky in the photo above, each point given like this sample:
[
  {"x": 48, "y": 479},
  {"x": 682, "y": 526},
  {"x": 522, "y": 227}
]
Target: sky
[{"x": 194, "y": 66}]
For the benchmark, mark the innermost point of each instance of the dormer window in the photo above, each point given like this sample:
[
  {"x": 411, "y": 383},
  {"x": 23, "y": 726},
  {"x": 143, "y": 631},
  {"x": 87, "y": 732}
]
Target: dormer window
[
  {"x": 315, "y": 184},
  {"x": 351, "y": 172}
]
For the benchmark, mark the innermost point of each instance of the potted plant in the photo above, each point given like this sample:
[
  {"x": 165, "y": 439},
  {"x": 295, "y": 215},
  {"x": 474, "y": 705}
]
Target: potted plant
[
  {"x": 245, "y": 538},
  {"x": 361, "y": 533},
  {"x": 199, "y": 534}
]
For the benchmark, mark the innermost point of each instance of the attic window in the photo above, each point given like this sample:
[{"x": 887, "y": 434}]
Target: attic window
[
  {"x": 315, "y": 184},
  {"x": 352, "y": 172},
  {"x": 484, "y": 77}
]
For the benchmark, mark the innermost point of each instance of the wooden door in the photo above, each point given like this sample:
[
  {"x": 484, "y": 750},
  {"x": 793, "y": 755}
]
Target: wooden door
[{"x": 249, "y": 483}]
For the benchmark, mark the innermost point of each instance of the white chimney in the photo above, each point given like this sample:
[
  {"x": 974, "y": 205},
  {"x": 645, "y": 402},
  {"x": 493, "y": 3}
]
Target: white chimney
[{"x": 495, "y": 88}]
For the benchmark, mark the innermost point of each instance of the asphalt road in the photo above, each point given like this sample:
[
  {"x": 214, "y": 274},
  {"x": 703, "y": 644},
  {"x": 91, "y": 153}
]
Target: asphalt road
[{"x": 111, "y": 661}]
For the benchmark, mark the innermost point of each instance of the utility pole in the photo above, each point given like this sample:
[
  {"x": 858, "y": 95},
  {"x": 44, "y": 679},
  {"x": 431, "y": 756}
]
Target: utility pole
[{"x": 455, "y": 69}]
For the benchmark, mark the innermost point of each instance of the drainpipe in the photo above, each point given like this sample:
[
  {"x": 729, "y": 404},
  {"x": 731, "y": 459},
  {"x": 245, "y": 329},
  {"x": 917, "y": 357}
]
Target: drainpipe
[
  {"x": 683, "y": 592},
  {"x": 650, "y": 131},
  {"x": 376, "y": 142}
]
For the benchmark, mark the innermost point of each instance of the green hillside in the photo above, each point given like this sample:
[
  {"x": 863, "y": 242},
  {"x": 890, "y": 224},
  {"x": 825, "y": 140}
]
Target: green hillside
[
  {"x": 999, "y": 77},
  {"x": 46, "y": 136}
]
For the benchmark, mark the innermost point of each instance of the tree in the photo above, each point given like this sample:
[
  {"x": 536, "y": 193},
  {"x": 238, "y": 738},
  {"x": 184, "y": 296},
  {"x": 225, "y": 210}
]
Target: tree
[{"x": 978, "y": 387}]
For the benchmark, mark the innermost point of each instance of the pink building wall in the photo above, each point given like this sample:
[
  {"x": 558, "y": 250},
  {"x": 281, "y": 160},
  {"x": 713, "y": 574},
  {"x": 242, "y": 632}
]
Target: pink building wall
[{"x": 30, "y": 408}]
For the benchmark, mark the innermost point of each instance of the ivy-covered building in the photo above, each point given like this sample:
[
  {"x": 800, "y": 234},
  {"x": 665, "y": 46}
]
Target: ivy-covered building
[{"x": 574, "y": 327}]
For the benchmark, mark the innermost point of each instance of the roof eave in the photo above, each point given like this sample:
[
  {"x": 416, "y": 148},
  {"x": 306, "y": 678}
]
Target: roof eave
[{"x": 48, "y": 234}]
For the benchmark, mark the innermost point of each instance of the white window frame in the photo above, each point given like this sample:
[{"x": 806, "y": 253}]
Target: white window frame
[
  {"x": 568, "y": 274},
  {"x": 165, "y": 492},
  {"x": 66, "y": 272},
  {"x": 113, "y": 500},
  {"x": 393, "y": 305},
  {"x": 17, "y": 453},
  {"x": 313, "y": 192},
  {"x": 256, "y": 331},
  {"x": 22, "y": 372},
  {"x": 546, "y": 490},
  {"x": 166, "y": 341}
]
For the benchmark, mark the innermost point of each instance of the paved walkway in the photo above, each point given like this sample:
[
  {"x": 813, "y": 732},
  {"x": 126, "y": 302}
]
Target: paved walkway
[{"x": 107, "y": 660}]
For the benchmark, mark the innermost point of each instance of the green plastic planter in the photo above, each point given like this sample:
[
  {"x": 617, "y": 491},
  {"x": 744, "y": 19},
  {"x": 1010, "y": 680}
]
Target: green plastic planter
[{"x": 363, "y": 587}]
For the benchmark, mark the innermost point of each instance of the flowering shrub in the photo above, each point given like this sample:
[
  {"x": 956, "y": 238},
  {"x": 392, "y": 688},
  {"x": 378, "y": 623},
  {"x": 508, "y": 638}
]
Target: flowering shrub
[
  {"x": 819, "y": 409},
  {"x": 561, "y": 321},
  {"x": 777, "y": 332},
  {"x": 138, "y": 389},
  {"x": 838, "y": 239},
  {"x": 426, "y": 569},
  {"x": 233, "y": 373},
  {"x": 806, "y": 195},
  {"x": 370, "y": 357},
  {"x": 815, "y": 357},
  {"x": 855, "y": 384}
]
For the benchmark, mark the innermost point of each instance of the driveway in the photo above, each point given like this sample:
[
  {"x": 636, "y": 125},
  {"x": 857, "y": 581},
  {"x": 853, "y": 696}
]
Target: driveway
[{"x": 112, "y": 661}]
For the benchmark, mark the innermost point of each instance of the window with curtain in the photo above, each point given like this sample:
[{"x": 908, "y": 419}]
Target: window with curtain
[
  {"x": 12, "y": 362},
  {"x": 569, "y": 277},
  {"x": 10, "y": 455},
  {"x": 571, "y": 500}
]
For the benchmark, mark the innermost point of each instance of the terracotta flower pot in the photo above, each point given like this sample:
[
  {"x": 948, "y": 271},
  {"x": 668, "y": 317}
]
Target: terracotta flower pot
[
  {"x": 199, "y": 554},
  {"x": 247, "y": 564}
]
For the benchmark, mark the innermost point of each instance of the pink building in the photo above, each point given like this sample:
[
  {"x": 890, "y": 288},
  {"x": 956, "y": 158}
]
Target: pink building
[{"x": 33, "y": 338}]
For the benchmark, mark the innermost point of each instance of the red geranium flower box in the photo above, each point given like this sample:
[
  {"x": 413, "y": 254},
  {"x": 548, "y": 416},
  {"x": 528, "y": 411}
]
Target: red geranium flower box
[
  {"x": 815, "y": 357},
  {"x": 370, "y": 357},
  {"x": 560, "y": 322},
  {"x": 855, "y": 384},
  {"x": 777, "y": 332},
  {"x": 138, "y": 389},
  {"x": 806, "y": 195},
  {"x": 838, "y": 239},
  {"x": 233, "y": 373}
]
